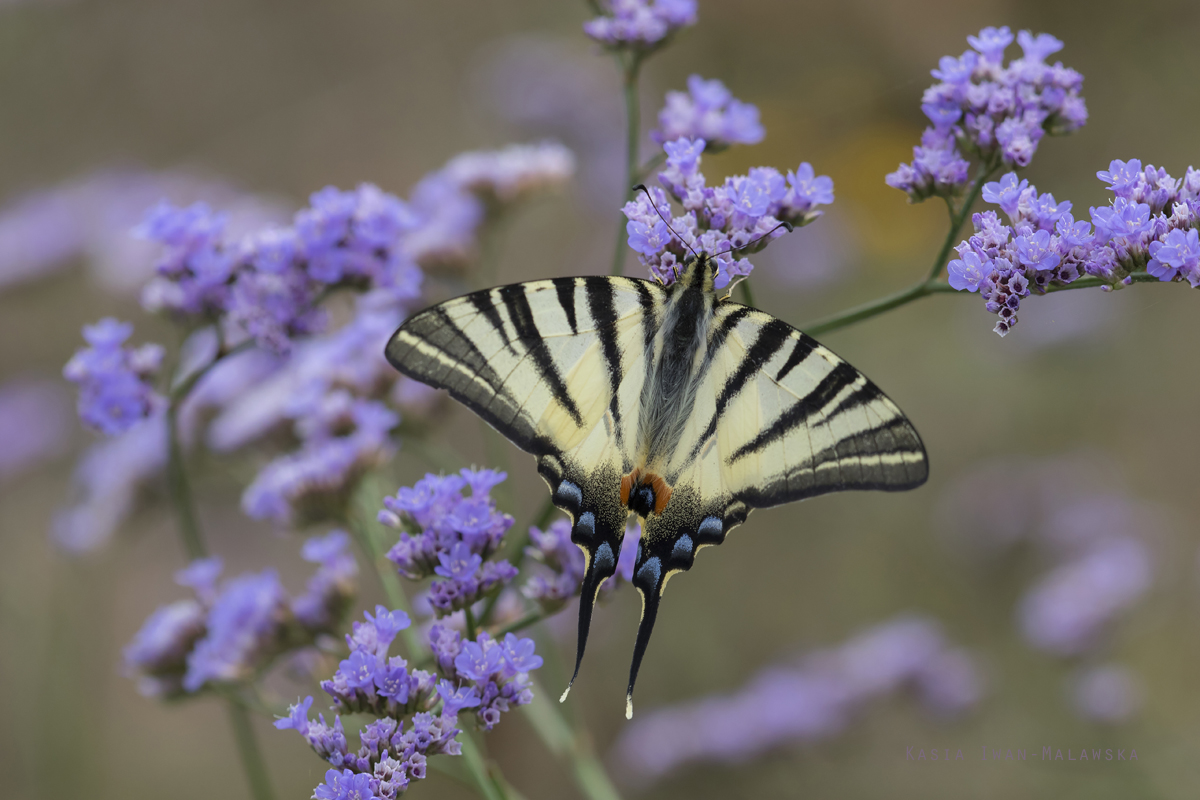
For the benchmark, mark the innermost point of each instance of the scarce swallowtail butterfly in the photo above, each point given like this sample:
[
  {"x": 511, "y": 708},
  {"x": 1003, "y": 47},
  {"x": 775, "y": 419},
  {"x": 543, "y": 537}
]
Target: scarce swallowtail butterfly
[{"x": 668, "y": 402}]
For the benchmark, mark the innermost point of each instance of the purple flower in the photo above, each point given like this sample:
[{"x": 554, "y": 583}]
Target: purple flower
[
  {"x": 740, "y": 217},
  {"x": 640, "y": 24},
  {"x": 968, "y": 272},
  {"x": 458, "y": 534},
  {"x": 709, "y": 112},
  {"x": 1122, "y": 176},
  {"x": 1177, "y": 254},
  {"x": 315, "y": 482},
  {"x": 519, "y": 655},
  {"x": 1068, "y": 609},
  {"x": 243, "y": 629},
  {"x": 684, "y": 154},
  {"x": 1037, "y": 48},
  {"x": 807, "y": 701},
  {"x": 991, "y": 43},
  {"x": 1035, "y": 251},
  {"x": 990, "y": 110},
  {"x": 459, "y": 563},
  {"x": 113, "y": 380},
  {"x": 1006, "y": 193},
  {"x": 1121, "y": 219},
  {"x": 478, "y": 662},
  {"x": 647, "y": 240},
  {"x": 457, "y": 699}
]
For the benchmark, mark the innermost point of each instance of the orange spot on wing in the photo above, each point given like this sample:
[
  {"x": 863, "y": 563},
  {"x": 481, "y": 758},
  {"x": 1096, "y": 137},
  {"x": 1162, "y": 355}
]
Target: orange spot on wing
[{"x": 662, "y": 493}]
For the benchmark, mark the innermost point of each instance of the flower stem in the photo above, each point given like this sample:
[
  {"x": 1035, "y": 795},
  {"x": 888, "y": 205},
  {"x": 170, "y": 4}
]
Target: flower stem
[
  {"x": 876, "y": 307},
  {"x": 251, "y": 756},
  {"x": 188, "y": 526},
  {"x": 565, "y": 742},
  {"x": 931, "y": 285},
  {"x": 363, "y": 533},
  {"x": 630, "y": 66},
  {"x": 180, "y": 488},
  {"x": 958, "y": 219}
]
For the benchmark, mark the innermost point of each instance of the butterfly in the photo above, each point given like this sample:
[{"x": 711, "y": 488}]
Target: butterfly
[{"x": 666, "y": 401}]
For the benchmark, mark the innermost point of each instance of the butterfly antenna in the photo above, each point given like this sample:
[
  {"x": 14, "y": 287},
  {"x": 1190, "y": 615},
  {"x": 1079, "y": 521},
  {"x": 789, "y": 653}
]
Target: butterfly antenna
[
  {"x": 666, "y": 222},
  {"x": 787, "y": 225}
]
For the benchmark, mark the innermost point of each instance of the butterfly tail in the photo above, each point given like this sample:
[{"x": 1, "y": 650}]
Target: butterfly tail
[{"x": 602, "y": 548}]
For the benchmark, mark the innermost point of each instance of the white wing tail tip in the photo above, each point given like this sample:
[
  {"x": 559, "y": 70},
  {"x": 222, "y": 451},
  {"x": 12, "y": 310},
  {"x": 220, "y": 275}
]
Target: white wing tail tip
[
  {"x": 629, "y": 707},
  {"x": 566, "y": 692}
]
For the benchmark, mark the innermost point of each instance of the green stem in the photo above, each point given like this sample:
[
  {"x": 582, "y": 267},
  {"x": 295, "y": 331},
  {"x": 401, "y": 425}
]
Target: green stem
[
  {"x": 630, "y": 67},
  {"x": 251, "y": 756},
  {"x": 180, "y": 488},
  {"x": 521, "y": 624},
  {"x": 188, "y": 526},
  {"x": 564, "y": 742},
  {"x": 958, "y": 219},
  {"x": 931, "y": 285},
  {"x": 876, "y": 307},
  {"x": 363, "y": 533}
]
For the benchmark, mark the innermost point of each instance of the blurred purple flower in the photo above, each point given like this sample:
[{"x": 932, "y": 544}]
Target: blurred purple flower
[
  {"x": 1068, "y": 610},
  {"x": 449, "y": 205},
  {"x": 108, "y": 480},
  {"x": 810, "y": 702},
  {"x": 640, "y": 24},
  {"x": 710, "y": 112},
  {"x": 34, "y": 417},
  {"x": 90, "y": 216},
  {"x": 315, "y": 482},
  {"x": 1109, "y": 693},
  {"x": 113, "y": 380}
]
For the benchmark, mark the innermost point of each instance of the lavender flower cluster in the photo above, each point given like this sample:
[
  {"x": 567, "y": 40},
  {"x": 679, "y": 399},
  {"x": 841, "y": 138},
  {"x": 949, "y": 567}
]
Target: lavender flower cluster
[
  {"x": 807, "y": 702},
  {"x": 484, "y": 675},
  {"x": 730, "y": 221},
  {"x": 1095, "y": 541},
  {"x": 995, "y": 112},
  {"x": 562, "y": 578},
  {"x": 488, "y": 675},
  {"x": 267, "y": 285},
  {"x": 457, "y": 535},
  {"x": 114, "y": 380},
  {"x": 1149, "y": 226},
  {"x": 450, "y": 204},
  {"x": 389, "y": 757},
  {"x": 708, "y": 111},
  {"x": 343, "y": 437},
  {"x": 229, "y": 633},
  {"x": 640, "y": 25}
]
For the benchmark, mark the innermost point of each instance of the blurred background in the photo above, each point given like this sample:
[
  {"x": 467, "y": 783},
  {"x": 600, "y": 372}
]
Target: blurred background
[{"x": 1075, "y": 428}]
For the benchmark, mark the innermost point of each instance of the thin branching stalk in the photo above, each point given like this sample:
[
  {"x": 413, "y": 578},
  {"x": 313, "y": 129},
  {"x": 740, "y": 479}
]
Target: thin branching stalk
[
  {"x": 188, "y": 527},
  {"x": 249, "y": 752},
  {"x": 630, "y": 67}
]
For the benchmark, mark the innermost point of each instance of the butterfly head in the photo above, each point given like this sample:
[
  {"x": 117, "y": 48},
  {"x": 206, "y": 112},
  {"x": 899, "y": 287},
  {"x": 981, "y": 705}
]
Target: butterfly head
[{"x": 700, "y": 272}]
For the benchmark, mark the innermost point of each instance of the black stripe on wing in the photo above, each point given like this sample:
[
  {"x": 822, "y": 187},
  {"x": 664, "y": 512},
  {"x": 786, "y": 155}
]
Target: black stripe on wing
[
  {"x": 771, "y": 339},
  {"x": 521, "y": 316},
  {"x": 602, "y": 306}
]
